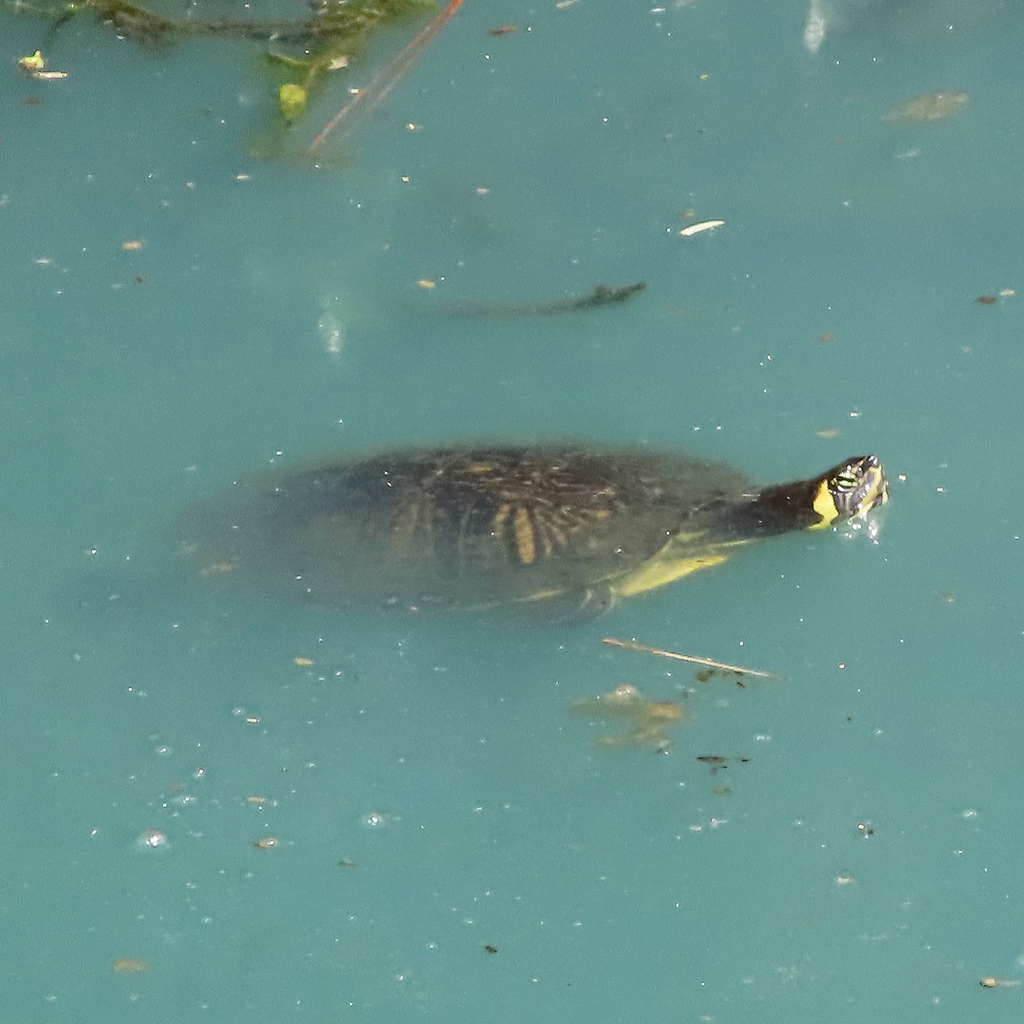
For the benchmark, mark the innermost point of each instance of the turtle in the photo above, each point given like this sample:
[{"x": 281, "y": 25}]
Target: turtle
[{"x": 557, "y": 530}]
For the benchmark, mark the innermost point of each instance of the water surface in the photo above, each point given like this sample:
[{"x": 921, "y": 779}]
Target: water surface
[{"x": 431, "y": 792}]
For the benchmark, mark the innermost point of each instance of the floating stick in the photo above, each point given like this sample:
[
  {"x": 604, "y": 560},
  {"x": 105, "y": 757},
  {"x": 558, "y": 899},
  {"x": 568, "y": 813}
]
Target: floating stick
[
  {"x": 385, "y": 79},
  {"x": 705, "y": 225},
  {"x": 632, "y": 645}
]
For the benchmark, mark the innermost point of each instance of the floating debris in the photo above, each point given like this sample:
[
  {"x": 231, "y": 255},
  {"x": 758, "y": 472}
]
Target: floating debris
[
  {"x": 387, "y": 78},
  {"x": 929, "y": 106},
  {"x": 704, "y": 225},
  {"x": 291, "y": 101},
  {"x": 705, "y": 675},
  {"x": 33, "y": 62},
  {"x": 991, "y": 300},
  {"x": 717, "y": 762},
  {"x": 602, "y": 295},
  {"x": 217, "y": 568},
  {"x": 632, "y": 645},
  {"x": 605, "y": 295},
  {"x": 648, "y": 722},
  {"x": 321, "y": 42},
  {"x": 129, "y": 965}
]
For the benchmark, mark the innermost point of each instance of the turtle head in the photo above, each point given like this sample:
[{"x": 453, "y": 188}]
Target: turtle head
[{"x": 853, "y": 488}]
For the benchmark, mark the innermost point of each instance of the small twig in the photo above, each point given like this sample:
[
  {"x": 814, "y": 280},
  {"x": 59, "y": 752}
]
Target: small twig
[
  {"x": 632, "y": 645},
  {"x": 385, "y": 79}
]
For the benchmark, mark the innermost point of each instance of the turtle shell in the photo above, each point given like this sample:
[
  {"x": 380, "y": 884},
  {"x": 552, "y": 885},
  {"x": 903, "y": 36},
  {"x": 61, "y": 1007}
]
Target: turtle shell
[{"x": 476, "y": 526}]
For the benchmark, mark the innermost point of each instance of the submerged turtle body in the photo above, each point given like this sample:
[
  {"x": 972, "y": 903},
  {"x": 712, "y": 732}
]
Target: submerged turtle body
[{"x": 556, "y": 530}]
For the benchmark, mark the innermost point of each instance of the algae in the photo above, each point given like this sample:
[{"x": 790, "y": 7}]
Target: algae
[{"x": 300, "y": 52}]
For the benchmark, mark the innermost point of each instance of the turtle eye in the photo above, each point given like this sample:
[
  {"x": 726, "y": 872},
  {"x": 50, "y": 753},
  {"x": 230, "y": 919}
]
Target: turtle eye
[{"x": 846, "y": 481}]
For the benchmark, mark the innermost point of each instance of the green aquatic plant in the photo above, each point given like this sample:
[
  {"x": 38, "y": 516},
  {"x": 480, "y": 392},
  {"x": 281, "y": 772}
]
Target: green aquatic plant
[
  {"x": 302, "y": 51},
  {"x": 388, "y": 76}
]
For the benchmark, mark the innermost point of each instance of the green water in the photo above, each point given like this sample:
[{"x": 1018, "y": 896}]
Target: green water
[{"x": 430, "y": 790}]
